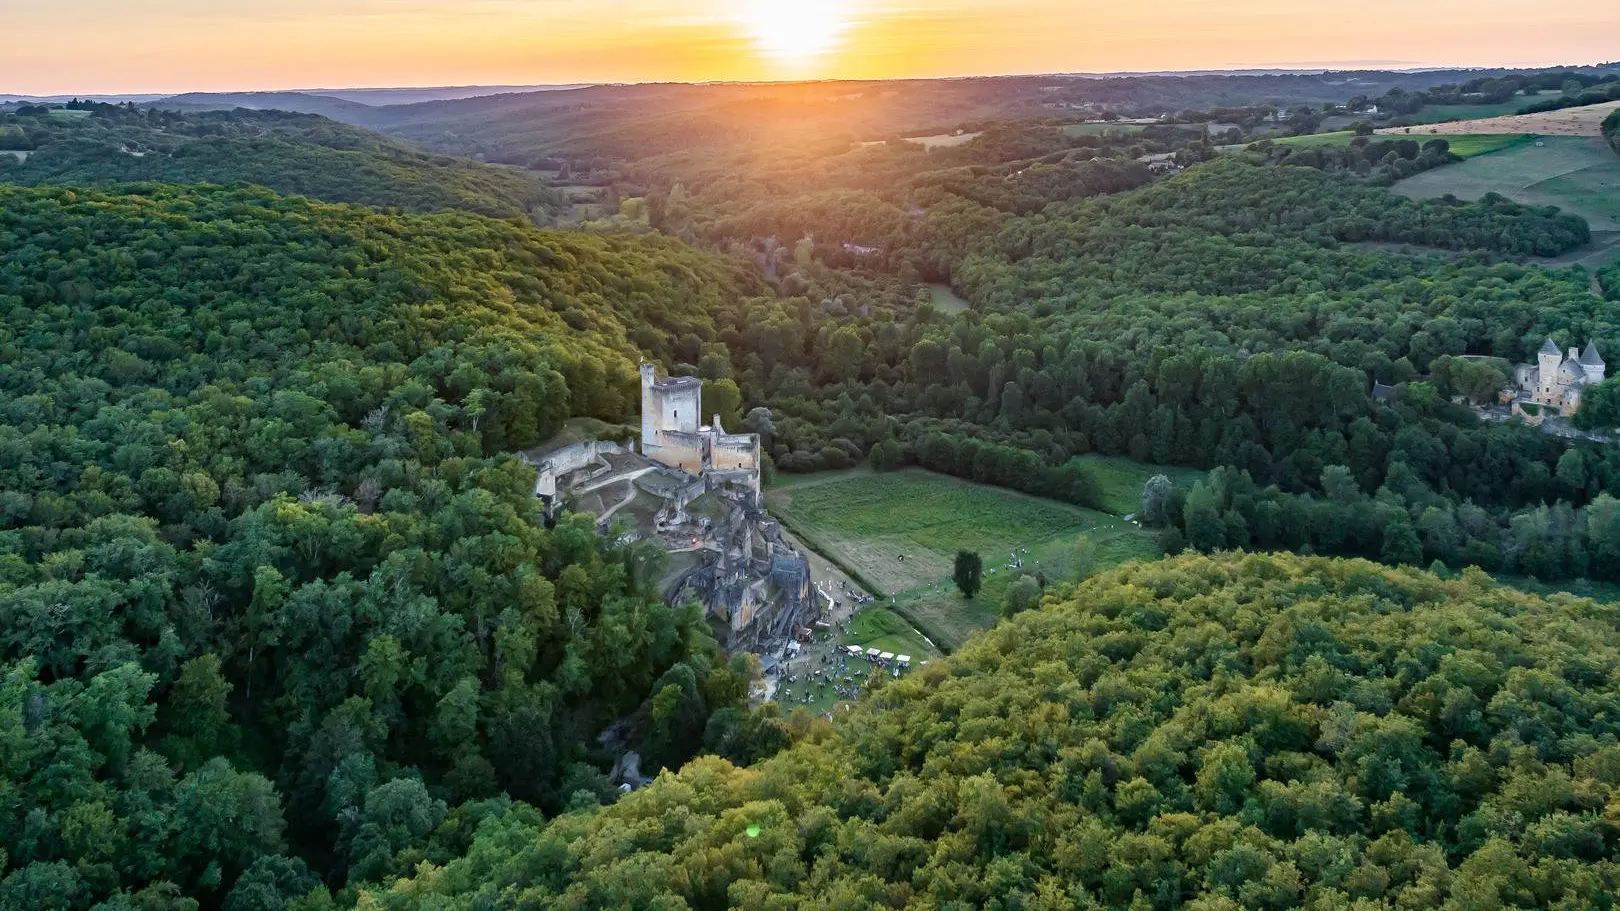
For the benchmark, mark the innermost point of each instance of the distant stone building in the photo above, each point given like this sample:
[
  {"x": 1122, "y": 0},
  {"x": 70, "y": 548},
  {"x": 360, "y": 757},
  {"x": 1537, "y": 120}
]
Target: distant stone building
[
  {"x": 1558, "y": 380},
  {"x": 672, "y": 435}
]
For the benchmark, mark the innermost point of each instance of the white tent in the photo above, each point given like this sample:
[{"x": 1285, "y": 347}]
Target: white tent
[
  {"x": 905, "y": 660},
  {"x": 854, "y": 650},
  {"x": 872, "y": 653},
  {"x": 886, "y": 656}
]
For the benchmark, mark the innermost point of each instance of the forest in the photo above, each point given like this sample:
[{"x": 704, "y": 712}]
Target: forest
[
  {"x": 271, "y": 584},
  {"x": 1269, "y": 732},
  {"x": 293, "y": 154}
]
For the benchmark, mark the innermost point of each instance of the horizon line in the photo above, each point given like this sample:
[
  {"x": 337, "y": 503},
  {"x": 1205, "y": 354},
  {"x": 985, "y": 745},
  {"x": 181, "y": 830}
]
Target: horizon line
[{"x": 519, "y": 88}]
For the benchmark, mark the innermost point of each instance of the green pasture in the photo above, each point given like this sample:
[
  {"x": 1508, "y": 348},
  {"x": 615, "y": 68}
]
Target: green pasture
[
  {"x": 865, "y": 521},
  {"x": 1578, "y": 174}
]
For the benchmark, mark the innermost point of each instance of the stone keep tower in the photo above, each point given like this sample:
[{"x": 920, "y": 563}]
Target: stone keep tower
[
  {"x": 1549, "y": 360},
  {"x": 669, "y": 418}
]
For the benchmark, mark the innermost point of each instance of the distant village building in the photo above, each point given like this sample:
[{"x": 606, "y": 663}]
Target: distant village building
[{"x": 1558, "y": 380}]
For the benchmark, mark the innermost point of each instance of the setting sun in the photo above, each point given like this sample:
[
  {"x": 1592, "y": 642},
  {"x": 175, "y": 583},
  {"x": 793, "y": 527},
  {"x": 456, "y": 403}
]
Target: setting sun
[{"x": 794, "y": 31}]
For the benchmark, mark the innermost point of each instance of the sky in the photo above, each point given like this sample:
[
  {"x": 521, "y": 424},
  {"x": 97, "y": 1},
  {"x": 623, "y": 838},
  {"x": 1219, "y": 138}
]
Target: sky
[{"x": 162, "y": 46}]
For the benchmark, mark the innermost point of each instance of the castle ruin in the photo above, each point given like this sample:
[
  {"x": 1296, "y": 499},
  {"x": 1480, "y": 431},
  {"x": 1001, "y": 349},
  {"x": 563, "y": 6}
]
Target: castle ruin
[{"x": 694, "y": 489}]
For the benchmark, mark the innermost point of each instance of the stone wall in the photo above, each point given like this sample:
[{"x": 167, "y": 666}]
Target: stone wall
[{"x": 559, "y": 463}]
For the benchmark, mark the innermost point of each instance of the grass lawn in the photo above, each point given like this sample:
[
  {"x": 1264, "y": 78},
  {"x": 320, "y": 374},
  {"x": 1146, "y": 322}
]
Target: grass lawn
[
  {"x": 886, "y": 631},
  {"x": 1122, "y": 481},
  {"x": 868, "y": 522},
  {"x": 946, "y": 300},
  {"x": 865, "y": 521},
  {"x": 1578, "y": 174}
]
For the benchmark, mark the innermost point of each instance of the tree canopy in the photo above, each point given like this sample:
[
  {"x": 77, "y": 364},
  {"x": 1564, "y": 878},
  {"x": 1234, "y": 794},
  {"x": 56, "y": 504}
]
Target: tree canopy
[{"x": 1240, "y": 732}]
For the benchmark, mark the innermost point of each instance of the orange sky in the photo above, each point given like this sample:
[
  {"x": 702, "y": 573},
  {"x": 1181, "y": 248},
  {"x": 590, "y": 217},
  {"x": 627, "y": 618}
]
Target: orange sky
[{"x": 84, "y": 46}]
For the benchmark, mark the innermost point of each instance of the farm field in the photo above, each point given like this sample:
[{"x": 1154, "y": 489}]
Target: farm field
[
  {"x": 865, "y": 521},
  {"x": 1579, "y": 175},
  {"x": 1468, "y": 146},
  {"x": 946, "y": 300},
  {"x": 1581, "y": 121},
  {"x": 1442, "y": 113}
]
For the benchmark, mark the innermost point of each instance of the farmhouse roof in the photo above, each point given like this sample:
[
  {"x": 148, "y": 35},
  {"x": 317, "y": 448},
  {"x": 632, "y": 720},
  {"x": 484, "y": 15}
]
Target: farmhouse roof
[
  {"x": 1382, "y": 393},
  {"x": 1550, "y": 348},
  {"x": 1589, "y": 357}
]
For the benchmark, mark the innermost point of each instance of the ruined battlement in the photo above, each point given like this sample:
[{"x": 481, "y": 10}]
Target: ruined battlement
[{"x": 671, "y": 434}]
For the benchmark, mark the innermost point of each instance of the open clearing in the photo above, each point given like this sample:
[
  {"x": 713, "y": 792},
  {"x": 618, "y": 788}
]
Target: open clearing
[
  {"x": 1581, "y": 121},
  {"x": 1579, "y": 175},
  {"x": 901, "y": 530},
  {"x": 944, "y": 140},
  {"x": 866, "y": 521},
  {"x": 947, "y": 300},
  {"x": 1122, "y": 481}
]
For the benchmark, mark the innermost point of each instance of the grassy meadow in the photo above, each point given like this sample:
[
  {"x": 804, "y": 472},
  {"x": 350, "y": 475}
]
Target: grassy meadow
[
  {"x": 1578, "y": 174},
  {"x": 1463, "y": 146},
  {"x": 866, "y": 521},
  {"x": 947, "y": 300}
]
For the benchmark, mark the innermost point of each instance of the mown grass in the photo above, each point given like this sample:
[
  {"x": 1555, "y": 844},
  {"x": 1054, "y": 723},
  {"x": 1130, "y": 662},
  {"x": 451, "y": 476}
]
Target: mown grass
[
  {"x": 864, "y": 521},
  {"x": 1122, "y": 481}
]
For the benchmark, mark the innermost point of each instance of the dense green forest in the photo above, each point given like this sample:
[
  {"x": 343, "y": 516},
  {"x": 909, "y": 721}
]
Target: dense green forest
[
  {"x": 1242, "y": 732},
  {"x": 271, "y": 583},
  {"x": 293, "y": 154}
]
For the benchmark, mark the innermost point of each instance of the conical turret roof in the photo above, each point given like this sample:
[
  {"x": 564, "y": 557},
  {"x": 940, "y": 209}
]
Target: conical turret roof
[
  {"x": 1550, "y": 348},
  {"x": 1589, "y": 357}
]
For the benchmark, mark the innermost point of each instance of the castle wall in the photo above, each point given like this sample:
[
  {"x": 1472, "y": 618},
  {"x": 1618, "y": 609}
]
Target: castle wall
[
  {"x": 731, "y": 453},
  {"x": 558, "y": 463}
]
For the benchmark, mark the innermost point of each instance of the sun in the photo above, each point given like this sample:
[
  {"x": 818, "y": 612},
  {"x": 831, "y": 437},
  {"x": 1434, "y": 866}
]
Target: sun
[{"x": 794, "y": 31}]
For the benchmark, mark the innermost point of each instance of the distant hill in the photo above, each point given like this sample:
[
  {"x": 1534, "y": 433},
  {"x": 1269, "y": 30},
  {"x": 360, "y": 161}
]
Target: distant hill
[
  {"x": 291, "y": 153},
  {"x": 294, "y": 102},
  {"x": 440, "y": 93},
  {"x": 635, "y": 121}
]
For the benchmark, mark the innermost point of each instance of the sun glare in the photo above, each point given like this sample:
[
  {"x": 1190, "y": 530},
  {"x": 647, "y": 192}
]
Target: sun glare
[{"x": 794, "y": 31}]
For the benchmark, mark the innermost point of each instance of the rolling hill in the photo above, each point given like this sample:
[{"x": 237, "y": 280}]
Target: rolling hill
[{"x": 291, "y": 153}]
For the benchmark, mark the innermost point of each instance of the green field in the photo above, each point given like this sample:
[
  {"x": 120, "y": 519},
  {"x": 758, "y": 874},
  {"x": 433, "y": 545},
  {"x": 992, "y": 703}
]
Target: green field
[
  {"x": 1464, "y": 146},
  {"x": 1578, "y": 174},
  {"x": 868, "y": 522},
  {"x": 946, "y": 300},
  {"x": 1440, "y": 113},
  {"x": 1122, "y": 481},
  {"x": 1103, "y": 129},
  {"x": 1475, "y": 146},
  {"x": 865, "y": 521}
]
